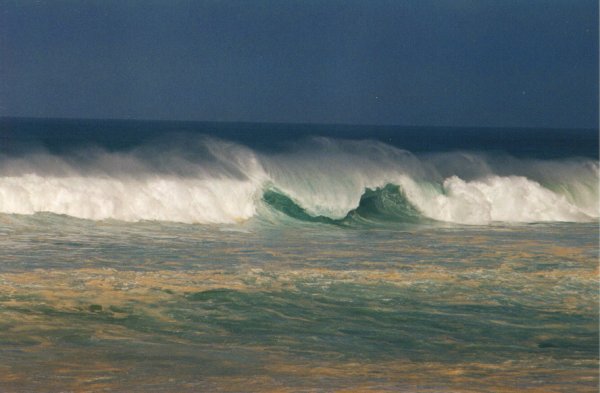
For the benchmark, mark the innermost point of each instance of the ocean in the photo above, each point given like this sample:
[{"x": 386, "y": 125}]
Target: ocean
[{"x": 155, "y": 256}]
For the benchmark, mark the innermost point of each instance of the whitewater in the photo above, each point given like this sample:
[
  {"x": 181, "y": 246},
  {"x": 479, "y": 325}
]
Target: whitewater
[
  {"x": 206, "y": 180},
  {"x": 140, "y": 256}
]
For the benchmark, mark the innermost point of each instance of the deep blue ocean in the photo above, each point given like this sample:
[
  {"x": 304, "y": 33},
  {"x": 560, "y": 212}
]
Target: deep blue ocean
[{"x": 147, "y": 256}]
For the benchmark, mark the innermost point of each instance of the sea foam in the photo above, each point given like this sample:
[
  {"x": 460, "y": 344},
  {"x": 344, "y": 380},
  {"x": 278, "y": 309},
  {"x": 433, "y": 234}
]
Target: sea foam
[{"x": 213, "y": 181}]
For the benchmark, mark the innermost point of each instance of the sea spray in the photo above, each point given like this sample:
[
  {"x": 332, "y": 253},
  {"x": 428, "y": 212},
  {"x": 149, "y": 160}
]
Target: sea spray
[{"x": 207, "y": 180}]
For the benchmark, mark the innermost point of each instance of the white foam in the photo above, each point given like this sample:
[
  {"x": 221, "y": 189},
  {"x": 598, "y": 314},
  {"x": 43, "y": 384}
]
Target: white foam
[
  {"x": 495, "y": 198},
  {"x": 160, "y": 198},
  {"x": 224, "y": 184}
]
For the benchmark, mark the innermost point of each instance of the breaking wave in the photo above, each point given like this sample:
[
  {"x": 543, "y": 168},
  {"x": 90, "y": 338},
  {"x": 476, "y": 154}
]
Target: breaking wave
[{"x": 204, "y": 180}]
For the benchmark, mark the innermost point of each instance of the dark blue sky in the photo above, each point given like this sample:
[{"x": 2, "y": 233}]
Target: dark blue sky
[{"x": 419, "y": 62}]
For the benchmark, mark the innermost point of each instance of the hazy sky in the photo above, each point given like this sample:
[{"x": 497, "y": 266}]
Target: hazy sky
[{"x": 417, "y": 62}]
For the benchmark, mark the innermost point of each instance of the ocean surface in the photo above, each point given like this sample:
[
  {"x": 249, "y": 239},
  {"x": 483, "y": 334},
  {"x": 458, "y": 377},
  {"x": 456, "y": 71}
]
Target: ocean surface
[{"x": 140, "y": 256}]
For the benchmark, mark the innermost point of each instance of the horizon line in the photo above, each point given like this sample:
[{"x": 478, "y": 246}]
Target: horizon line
[{"x": 308, "y": 123}]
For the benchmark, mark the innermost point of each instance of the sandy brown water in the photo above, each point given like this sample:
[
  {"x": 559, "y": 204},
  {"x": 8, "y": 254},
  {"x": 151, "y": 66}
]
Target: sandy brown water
[{"x": 88, "y": 307}]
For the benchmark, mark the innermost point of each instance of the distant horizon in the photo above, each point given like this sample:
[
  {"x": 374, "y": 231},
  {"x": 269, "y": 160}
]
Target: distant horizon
[
  {"x": 293, "y": 123},
  {"x": 436, "y": 63}
]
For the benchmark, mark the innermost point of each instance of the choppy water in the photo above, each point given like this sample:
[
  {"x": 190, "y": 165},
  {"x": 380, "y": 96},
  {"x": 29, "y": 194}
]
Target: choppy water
[{"x": 321, "y": 265}]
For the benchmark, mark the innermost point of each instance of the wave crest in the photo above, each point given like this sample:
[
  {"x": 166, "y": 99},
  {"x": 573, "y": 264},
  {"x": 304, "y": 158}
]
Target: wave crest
[{"x": 322, "y": 180}]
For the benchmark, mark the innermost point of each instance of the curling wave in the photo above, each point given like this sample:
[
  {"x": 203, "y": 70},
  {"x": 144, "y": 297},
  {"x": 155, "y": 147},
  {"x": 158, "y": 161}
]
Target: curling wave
[
  {"x": 321, "y": 180},
  {"x": 382, "y": 205}
]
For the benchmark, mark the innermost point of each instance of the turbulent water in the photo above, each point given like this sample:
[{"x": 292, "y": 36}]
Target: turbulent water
[{"x": 140, "y": 256}]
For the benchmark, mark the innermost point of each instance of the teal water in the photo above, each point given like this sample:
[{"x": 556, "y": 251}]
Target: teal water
[
  {"x": 206, "y": 257},
  {"x": 159, "y": 307}
]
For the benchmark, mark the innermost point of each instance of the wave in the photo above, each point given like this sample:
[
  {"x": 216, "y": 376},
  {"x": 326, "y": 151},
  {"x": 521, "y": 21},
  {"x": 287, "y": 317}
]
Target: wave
[
  {"x": 382, "y": 205},
  {"x": 204, "y": 180}
]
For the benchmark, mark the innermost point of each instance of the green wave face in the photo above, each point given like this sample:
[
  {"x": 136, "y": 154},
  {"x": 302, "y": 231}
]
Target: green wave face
[
  {"x": 382, "y": 205},
  {"x": 388, "y": 203},
  {"x": 284, "y": 204}
]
